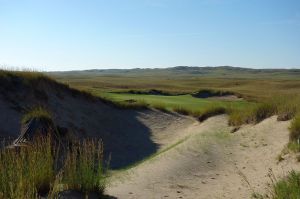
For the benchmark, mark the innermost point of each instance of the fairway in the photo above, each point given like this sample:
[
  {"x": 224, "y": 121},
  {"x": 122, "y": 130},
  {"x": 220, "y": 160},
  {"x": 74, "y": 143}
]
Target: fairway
[{"x": 179, "y": 101}]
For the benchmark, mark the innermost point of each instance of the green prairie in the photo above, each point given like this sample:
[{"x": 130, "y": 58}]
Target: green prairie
[{"x": 179, "y": 101}]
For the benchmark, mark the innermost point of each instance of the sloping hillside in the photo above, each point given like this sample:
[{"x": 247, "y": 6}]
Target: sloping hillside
[
  {"x": 126, "y": 133},
  {"x": 211, "y": 162}
]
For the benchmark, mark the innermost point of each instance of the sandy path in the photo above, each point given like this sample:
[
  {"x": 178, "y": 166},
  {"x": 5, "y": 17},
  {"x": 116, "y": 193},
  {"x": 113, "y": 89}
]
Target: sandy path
[{"x": 210, "y": 163}]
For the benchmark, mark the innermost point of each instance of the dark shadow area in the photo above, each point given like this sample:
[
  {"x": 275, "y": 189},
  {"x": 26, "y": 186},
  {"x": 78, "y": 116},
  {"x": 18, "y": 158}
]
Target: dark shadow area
[
  {"x": 108, "y": 197},
  {"x": 152, "y": 92},
  {"x": 128, "y": 141},
  {"x": 206, "y": 93},
  {"x": 73, "y": 194}
]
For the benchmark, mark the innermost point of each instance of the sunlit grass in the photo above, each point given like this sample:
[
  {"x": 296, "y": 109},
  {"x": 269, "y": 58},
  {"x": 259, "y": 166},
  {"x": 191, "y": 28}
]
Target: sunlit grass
[
  {"x": 32, "y": 171},
  {"x": 287, "y": 188}
]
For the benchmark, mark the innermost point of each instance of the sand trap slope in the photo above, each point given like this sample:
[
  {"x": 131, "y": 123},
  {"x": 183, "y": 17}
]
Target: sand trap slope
[
  {"x": 128, "y": 135},
  {"x": 209, "y": 163}
]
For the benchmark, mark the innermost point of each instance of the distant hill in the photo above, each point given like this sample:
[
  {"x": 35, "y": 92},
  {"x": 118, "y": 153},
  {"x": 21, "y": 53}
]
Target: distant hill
[{"x": 221, "y": 71}]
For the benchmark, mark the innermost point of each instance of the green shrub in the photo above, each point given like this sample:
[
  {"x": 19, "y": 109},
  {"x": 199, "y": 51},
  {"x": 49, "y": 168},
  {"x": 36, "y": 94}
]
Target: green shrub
[
  {"x": 288, "y": 188},
  {"x": 295, "y": 128}
]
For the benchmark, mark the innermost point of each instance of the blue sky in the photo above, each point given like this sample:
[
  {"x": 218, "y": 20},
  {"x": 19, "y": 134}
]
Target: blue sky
[{"x": 73, "y": 34}]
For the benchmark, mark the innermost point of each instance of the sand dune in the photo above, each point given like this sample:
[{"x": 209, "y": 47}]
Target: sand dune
[{"x": 210, "y": 163}]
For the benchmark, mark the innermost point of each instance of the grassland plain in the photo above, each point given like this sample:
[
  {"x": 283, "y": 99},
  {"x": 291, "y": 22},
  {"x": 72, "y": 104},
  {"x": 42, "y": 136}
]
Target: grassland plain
[
  {"x": 266, "y": 92},
  {"x": 251, "y": 83}
]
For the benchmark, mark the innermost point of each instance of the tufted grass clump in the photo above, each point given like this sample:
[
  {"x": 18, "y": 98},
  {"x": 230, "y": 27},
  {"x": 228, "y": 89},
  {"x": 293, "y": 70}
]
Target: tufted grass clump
[
  {"x": 28, "y": 171},
  {"x": 36, "y": 170},
  {"x": 287, "y": 188},
  {"x": 38, "y": 112},
  {"x": 83, "y": 169}
]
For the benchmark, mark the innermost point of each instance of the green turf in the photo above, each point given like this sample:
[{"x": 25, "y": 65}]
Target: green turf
[{"x": 170, "y": 102}]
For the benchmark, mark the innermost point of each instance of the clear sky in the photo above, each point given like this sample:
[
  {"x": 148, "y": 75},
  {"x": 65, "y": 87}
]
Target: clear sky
[{"x": 73, "y": 34}]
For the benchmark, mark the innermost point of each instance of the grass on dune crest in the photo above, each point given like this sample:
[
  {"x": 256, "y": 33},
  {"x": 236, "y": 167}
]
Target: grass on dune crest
[
  {"x": 31, "y": 171},
  {"x": 285, "y": 107},
  {"x": 38, "y": 113},
  {"x": 26, "y": 75}
]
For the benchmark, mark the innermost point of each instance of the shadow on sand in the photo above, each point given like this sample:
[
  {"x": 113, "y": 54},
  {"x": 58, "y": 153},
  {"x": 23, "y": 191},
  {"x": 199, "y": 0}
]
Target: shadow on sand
[{"x": 129, "y": 141}]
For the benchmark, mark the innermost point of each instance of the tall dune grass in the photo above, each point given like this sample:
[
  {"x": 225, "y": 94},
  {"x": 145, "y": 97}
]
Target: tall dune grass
[
  {"x": 31, "y": 171},
  {"x": 83, "y": 169},
  {"x": 295, "y": 128},
  {"x": 287, "y": 188},
  {"x": 285, "y": 107},
  {"x": 26, "y": 172}
]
